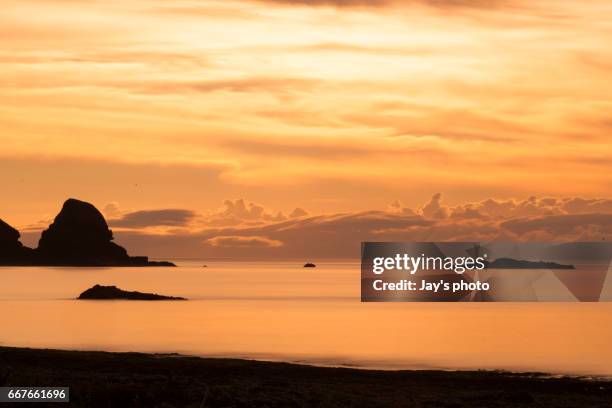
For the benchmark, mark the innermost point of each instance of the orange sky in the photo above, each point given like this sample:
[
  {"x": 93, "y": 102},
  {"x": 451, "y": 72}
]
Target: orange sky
[{"x": 329, "y": 106}]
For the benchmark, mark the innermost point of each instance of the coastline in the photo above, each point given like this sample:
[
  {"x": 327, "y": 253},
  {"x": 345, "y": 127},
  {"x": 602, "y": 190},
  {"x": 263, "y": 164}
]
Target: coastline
[{"x": 99, "y": 378}]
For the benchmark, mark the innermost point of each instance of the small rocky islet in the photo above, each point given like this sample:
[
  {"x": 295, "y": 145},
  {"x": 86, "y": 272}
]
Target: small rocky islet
[
  {"x": 509, "y": 263},
  {"x": 99, "y": 292}
]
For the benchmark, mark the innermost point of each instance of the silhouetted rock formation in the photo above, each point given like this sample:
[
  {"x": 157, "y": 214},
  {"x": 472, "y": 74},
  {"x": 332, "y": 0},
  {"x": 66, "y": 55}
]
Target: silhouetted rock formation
[
  {"x": 99, "y": 292},
  {"x": 79, "y": 236},
  {"x": 11, "y": 250},
  {"x": 309, "y": 265},
  {"x": 508, "y": 263}
]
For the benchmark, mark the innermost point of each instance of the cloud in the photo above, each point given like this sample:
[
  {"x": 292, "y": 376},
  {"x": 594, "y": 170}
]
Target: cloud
[
  {"x": 534, "y": 206},
  {"x": 338, "y": 236},
  {"x": 433, "y": 209},
  {"x": 240, "y": 212},
  {"x": 581, "y": 205},
  {"x": 337, "y": 3},
  {"x": 382, "y": 3},
  {"x": 498, "y": 209},
  {"x": 573, "y": 225},
  {"x": 298, "y": 212},
  {"x": 111, "y": 210},
  {"x": 243, "y": 242},
  {"x": 482, "y": 106},
  {"x": 239, "y": 85},
  {"x": 154, "y": 218}
]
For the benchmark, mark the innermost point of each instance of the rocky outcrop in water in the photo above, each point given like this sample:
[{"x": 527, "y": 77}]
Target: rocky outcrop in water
[
  {"x": 79, "y": 236},
  {"x": 99, "y": 292},
  {"x": 508, "y": 263},
  {"x": 11, "y": 249}
]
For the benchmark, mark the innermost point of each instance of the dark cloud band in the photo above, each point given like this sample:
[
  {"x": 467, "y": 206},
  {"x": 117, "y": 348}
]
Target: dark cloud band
[{"x": 154, "y": 218}]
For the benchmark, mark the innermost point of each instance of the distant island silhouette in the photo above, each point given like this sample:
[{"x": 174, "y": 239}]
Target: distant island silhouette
[
  {"x": 309, "y": 265},
  {"x": 509, "y": 263},
  {"x": 99, "y": 292},
  {"x": 79, "y": 236}
]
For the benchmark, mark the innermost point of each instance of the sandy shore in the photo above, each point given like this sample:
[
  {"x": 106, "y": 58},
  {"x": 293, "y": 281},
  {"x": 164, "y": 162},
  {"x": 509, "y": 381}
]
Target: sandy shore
[{"x": 100, "y": 379}]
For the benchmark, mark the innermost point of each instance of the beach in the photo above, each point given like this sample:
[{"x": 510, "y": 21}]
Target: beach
[{"x": 101, "y": 379}]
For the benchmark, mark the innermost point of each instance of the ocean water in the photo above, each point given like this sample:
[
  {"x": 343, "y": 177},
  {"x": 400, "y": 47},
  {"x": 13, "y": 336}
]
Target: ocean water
[{"x": 283, "y": 312}]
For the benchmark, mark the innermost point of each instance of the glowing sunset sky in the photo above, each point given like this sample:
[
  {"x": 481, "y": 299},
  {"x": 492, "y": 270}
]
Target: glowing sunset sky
[{"x": 330, "y": 106}]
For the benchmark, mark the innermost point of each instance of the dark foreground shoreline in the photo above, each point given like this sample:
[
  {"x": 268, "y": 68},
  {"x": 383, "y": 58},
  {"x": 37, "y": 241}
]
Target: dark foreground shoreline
[{"x": 101, "y": 379}]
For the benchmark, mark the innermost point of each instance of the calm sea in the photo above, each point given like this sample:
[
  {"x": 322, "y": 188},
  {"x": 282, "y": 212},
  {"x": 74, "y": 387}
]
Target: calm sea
[{"x": 283, "y": 312}]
